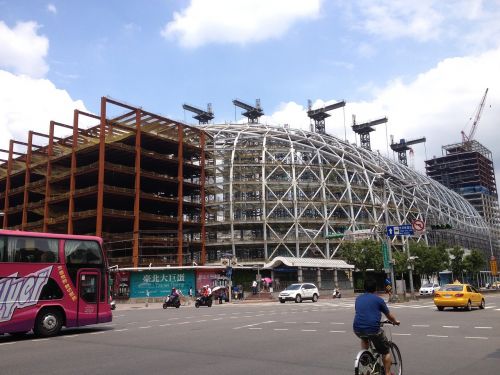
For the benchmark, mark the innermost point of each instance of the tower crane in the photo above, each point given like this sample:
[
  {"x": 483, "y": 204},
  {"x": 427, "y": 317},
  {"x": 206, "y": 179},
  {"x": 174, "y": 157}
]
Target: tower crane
[
  {"x": 202, "y": 116},
  {"x": 404, "y": 146},
  {"x": 364, "y": 130},
  {"x": 319, "y": 115},
  {"x": 466, "y": 139},
  {"x": 251, "y": 112}
]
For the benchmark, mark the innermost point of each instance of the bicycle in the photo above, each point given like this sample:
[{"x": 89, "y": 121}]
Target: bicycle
[{"x": 369, "y": 362}]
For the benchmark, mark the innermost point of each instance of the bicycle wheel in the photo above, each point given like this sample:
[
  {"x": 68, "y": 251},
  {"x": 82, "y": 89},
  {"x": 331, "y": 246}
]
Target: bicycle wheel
[
  {"x": 365, "y": 363},
  {"x": 397, "y": 362}
]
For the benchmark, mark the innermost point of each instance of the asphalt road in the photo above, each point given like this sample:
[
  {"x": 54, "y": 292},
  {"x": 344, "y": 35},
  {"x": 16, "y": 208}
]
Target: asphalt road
[{"x": 270, "y": 338}]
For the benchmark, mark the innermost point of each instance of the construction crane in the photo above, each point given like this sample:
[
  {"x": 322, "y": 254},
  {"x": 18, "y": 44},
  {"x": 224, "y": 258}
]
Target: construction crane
[
  {"x": 252, "y": 113},
  {"x": 404, "y": 146},
  {"x": 202, "y": 116},
  {"x": 466, "y": 139},
  {"x": 365, "y": 129},
  {"x": 319, "y": 115}
]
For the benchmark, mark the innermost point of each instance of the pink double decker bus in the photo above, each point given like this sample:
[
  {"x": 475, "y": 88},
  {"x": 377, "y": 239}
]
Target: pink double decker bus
[{"x": 48, "y": 281}]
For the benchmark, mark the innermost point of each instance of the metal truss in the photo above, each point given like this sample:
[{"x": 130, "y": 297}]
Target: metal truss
[{"x": 274, "y": 191}]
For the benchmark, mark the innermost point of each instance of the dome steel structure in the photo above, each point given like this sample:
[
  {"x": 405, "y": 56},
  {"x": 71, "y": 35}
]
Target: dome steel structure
[{"x": 275, "y": 191}]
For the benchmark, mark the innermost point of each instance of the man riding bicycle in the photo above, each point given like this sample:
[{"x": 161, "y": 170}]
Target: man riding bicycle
[{"x": 369, "y": 308}]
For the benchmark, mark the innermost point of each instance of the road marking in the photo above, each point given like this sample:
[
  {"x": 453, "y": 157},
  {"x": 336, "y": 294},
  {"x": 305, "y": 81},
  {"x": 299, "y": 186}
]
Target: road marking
[
  {"x": 185, "y": 322},
  {"x": 311, "y": 322},
  {"x": 401, "y": 334},
  {"x": 35, "y": 340},
  {"x": 451, "y": 326},
  {"x": 154, "y": 320},
  {"x": 290, "y": 322},
  {"x": 144, "y": 327},
  {"x": 483, "y": 327},
  {"x": 7, "y": 343},
  {"x": 337, "y": 323},
  {"x": 281, "y": 329},
  {"x": 476, "y": 337},
  {"x": 255, "y": 324},
  {"x": 436, "y": 336},
  {"x": 420, "y": 325},
  {"x": 164, "y": 325},
  {"x": 70, "y": 336},
  {"x": 337, "y": 331},
  {"x": 308, "y": 330},
  {"x": 121, "y": 330},
  {"x": 133, "y": 323},
  {"x": 217, "y": 319},
  {"x": 97, "y": 333},
  {"x": 204, "y": 320},
  {"x": 254, "y": 328}
]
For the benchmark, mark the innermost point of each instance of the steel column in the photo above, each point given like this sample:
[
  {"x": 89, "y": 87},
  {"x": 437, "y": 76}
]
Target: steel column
[
  {"x": 100, "y": 179},
  {"x": 202, "y": 187},
  {"x": 180, "y": 194},
  {"x": 137, "y": 186},
  {"x": 27, "y": 176},
  {"x": 74, "y": 144},
  {"x": 7, "y": 186},
  {"x": 48, "y": 174}
]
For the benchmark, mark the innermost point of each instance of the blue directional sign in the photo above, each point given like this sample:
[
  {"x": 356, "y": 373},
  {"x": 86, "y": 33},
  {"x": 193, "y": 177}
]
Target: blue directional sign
[{"x": 399, "y": 230}]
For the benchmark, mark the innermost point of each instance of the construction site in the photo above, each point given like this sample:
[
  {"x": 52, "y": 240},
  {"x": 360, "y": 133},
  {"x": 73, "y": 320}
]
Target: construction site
[{"x": 161, "y": 192}]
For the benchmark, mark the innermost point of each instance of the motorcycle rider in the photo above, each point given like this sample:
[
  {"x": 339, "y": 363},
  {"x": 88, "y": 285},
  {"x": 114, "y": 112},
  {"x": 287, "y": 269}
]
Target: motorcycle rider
[{"x": 174, "y": 295}]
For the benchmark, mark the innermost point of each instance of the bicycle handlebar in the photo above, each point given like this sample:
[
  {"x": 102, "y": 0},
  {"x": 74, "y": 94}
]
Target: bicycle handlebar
[{"x": 387, "y": 321}]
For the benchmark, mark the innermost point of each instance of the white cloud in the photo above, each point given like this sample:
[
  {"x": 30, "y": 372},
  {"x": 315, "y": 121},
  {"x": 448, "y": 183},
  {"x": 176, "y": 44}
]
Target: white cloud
[
  {"x": 52, "y": 8},
  {"x": 437, "y": 104},
  {"x": 22, "y": 50},
  {"x": 237, "y": 21},
  {"x": 30, "y": 104}
]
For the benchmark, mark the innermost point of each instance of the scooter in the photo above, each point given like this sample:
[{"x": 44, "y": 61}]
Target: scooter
[
  {"x": 172, "y": 302},
  {"x": 203, "y": 301},
  {"x": 336, "y": 293}
]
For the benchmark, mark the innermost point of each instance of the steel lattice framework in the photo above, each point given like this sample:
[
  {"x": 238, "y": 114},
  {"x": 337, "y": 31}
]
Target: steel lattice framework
[{"x": 274, "y": 191}]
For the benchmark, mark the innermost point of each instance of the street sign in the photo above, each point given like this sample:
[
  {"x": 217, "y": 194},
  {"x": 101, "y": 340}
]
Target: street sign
[
  {"x": 493, "y": 266},
  {"x": 399, "y": 230},
  {"x": 418, "y": 225},
  {"x": 385, "y": 255}
]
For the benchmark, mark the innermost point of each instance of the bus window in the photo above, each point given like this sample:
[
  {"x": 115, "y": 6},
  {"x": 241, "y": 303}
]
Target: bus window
[
  {"x": 3, "y": 249},
  {"x": 88, "y": 288},
  {"x": 32, "y": 250},
  {"x": 82, "y": 252}
]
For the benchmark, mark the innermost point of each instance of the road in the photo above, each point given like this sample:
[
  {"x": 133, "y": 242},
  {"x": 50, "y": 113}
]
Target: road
[{"x": 267, "y": 338}]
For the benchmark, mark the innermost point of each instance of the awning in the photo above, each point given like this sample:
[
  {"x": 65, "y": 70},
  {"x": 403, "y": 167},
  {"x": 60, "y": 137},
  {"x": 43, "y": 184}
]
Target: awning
[{"x": 309, "y": 263}]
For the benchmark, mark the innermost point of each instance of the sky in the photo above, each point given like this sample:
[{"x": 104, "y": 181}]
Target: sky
[{"x": 425, "y": 65}]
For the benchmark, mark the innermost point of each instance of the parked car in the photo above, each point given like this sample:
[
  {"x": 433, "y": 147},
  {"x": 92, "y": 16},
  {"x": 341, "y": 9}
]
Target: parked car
[
  {"x": 428, "y": 289},
  {"x": 299, "y": 292},
  {"x": 458, "y": 295}
]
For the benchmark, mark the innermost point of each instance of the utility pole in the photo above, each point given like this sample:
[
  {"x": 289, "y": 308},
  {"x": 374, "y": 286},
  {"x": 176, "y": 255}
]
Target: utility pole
[{"x": 388, "y": 241}]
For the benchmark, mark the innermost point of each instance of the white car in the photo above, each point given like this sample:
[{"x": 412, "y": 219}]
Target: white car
[
  {"x": 299, "y": 292},
  {"x": 428, "y": 289}
]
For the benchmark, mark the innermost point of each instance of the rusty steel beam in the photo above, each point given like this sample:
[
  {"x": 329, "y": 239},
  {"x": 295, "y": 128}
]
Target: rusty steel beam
[
  {"x": 202, "y": 187},
  {"x": 180, "y": 194},
  {"x": 74, "y": 144},
  {"x": 50, "y": 151},
  {"x": 137, "y": 187},
  {"x": 27, "y": 176},
  {"x": 7, "y": 186},
  {"x": 100, "y": 179}
]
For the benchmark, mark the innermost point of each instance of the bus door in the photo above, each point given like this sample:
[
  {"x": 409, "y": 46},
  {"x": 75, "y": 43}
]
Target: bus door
[{"x": 88, "y": 297}]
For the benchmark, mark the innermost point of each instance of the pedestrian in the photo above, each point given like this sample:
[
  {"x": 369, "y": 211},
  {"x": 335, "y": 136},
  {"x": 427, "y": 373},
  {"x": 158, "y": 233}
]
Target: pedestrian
[
  {"x": 190, "y": 293},
  {"x": 254, "y": 287},
  {"x": 369, "y": 308}
]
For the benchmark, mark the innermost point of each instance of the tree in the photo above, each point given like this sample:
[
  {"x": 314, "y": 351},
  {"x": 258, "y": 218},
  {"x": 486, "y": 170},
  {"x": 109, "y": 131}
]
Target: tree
[
  {"x": 457, "y": 262},
  {"x": 366, "y": 254},
  {"x": 474, "y": 262},
  {"x": 430, "y": 260}
]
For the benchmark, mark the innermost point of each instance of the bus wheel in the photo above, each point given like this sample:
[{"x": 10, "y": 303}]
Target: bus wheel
[{"x": 48, "y": 323}]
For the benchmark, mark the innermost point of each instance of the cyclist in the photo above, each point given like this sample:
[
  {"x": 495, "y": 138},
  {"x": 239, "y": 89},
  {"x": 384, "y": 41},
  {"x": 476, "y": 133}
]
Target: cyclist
[{"x": 369, "y": 308}]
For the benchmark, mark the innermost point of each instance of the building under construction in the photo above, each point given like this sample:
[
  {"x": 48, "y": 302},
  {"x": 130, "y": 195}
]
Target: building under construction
[{"x": 136, "y": 179}]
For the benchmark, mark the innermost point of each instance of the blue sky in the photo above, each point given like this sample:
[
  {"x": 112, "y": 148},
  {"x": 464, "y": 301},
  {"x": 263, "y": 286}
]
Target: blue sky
[{"x": 423, "y": 64}]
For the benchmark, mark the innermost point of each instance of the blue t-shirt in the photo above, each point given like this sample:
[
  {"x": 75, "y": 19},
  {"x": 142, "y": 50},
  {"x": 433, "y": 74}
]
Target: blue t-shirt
[{"x": 369, "y": 308}]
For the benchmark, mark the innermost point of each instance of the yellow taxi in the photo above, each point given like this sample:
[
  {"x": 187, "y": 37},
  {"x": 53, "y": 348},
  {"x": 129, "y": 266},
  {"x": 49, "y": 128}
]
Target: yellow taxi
[{"x": 458, "y": 295}]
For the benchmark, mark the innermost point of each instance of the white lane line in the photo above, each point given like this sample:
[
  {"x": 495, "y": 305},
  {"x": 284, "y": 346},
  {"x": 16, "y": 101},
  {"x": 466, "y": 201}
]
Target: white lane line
[
  {"x": 436, "y": 336},
  {"x": 154, "y": 320},
  {"x": 36, "y": 340},
  {"x": 204, "y": 320},
  {"x": 118, "y": 316},
  {"x": 489, "y": 307},
  {"x": 7, "y": 343},
  {"x": 401, "y": 334},
  {"x": 255, "y": 324},
  {"x": 308, "y": 330},
  {"x": 281, "y": 329},
  {"x": 290, "y": 322},
  {"x": 144, "y": 327},
  {"x": 164, "y": 325},
  {"x": 217, "y": 319},
  {"x": 97, "y": 333},
  {"x": 311, "y": 322},
  {"x": 179, "y": 318},
  {"x": 184, "y": 323},
  {"x": 451, "y": 326},
  {"x": 121, "y": 330},
  {"x": 497, "y": 309},
  {"x": 254, "y": 328},
  {"x": 133, "y": 323},
  {"x": 420, "y": 325},
  {"x": 337, "y": 331},
  {"x": 336, "y": 323},
  {"x": 476, "y": 337},
  {"x": 483, "y": 327},
  {"x": 255, "y": 315}
]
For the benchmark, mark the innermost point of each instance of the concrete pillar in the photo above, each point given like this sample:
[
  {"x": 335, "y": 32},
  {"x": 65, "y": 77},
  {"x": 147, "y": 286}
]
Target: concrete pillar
[
  {"x": 299, "y": 274},
  {"x": 349, "y": 273},
  {"x": 318, "y": 278},
  {"x": 335, "y": 278}
]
